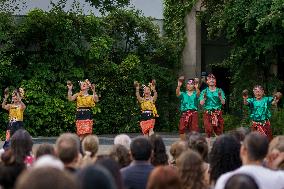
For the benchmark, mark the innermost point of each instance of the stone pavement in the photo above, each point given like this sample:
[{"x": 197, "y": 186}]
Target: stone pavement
[{"x": 106, "y": 141}]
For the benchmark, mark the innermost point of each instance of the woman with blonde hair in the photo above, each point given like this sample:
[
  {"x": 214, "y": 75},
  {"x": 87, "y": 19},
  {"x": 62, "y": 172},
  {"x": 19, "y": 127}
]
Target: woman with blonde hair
[
  {"x": 191, "y": 170},
  {"x": 90, "y": 147}
]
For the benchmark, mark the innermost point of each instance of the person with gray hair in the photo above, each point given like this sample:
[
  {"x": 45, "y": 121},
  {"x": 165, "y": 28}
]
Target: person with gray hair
[{"x": 122, "y": 139}]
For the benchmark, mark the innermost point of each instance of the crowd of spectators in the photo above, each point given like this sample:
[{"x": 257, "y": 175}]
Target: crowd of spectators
[{"x": 236, "y": 160}]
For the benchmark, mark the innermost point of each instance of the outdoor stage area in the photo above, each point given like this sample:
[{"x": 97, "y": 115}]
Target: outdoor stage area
[{"x": 106, "y": 141}]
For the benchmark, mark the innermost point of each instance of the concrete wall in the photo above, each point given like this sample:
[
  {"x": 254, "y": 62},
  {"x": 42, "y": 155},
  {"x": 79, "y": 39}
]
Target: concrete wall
[{"x": 191, "y": 59}]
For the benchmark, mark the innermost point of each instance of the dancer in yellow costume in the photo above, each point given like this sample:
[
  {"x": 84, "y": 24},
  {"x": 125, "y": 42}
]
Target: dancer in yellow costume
[
  {"x": 148, "y": 108},
  {"x": 16, "y": 113},
  {"x": 84, "y": 121}
]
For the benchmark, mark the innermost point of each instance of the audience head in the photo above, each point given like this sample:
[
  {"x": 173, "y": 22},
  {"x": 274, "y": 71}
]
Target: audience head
[
  {"x": 21, "y": 145},
  {"x": 95, "y": 177},
  {"x": 122, "y": 139},
  {"x": 9, "y": 169},
  {"x": 191, "y": 170},
  {"x": 48, "y": 161},
  {"x": 160, "y": 156},
  {"x": 164, "y": 177},
  {"x": 254, "y": 148},
  {"x": 176, "y": 150},
  {"x": 241, "y": 181},
  {"x": 114, "y": 169},
  {"x": 90, "y": 144},
  {"x": 45, "y": 178},
  {"x": 275, "y": 156},
  {"x": 224, "y": 156},
  {"x": 67, "y": 147},
  {"x": 198, "y": 143},
  {"x": 240, "y": 133},
  {"x": 121, "y": 155},
  {"x": 44, "y": 149},
  {"x": 141, "y": 149}
]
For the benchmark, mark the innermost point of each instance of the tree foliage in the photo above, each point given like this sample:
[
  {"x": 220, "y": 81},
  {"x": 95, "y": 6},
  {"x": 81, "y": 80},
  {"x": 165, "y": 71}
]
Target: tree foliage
[
  {"x": 254, "y": 29},
  {"x": 43, "y": 50}
]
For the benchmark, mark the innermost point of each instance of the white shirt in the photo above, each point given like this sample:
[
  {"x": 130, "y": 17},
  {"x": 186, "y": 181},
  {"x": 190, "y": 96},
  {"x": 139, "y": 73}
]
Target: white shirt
[{"x": 265, "y": 178}]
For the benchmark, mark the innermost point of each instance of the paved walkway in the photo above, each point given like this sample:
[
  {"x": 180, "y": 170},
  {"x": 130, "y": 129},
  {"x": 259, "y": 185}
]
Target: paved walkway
[{"x": 106, "y": 141}]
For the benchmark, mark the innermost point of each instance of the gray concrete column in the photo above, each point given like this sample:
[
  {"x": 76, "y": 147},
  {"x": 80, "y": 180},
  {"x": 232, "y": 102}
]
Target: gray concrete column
[{"x": 191, "y": 58}]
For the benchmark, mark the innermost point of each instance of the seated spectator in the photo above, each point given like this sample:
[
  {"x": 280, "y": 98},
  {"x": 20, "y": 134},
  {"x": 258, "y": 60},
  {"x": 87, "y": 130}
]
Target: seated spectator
[
  {"x": 240, "y": 133},
  {"x": 224, "y": 156},
  {"x": 95, "y": 177},
  {"x": 176, "y": 150},
  {"x": 46, "y": 178},
  {"x": 21, "y": 147},
  {"x": 113, "y": 167},
  {"x": 122, "y": 139},
  {"x": 164, "y": 177},
  {"x": 44, "y": 149},
  {"x": 160, "y": 156},
  {"x": 48, "y": 161},
  {"x": 275, "y": 156},
  {"x": 67, "y": 148},
  {"x": 10, "y": 169},
  {"x": 90, "y": 147},
  {"x": 191, "y": 170},
  {"x": 135, "y": 176},
  {"x": 120, "y": 154},
  {"x": 241, "y": 181},
  {"x": 253, "y": 151},
  {"x": 197, "y": 142}
]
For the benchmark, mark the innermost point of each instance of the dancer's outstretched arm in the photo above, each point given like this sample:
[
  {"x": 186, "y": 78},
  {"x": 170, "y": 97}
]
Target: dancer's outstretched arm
[{"x": 70, "y": 96}]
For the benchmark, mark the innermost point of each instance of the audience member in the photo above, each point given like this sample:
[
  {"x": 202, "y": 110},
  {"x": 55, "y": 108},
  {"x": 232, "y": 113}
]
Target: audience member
[
  {"x": 9, "y": 169},
  {"x": 44, "y": 149},
  {"x": 176, "y": 150},
  {"x": 241, "y": 181},
  {"x": 21, "y": 146},
  {"x": 122, "y": 139},
  {"x": 160, "y": 156},
  {"x": 48, "y": 161},
  {"x": 253, "y": 151},
  {"x": 135, "y": 176},
  {"x": 164, "y": 177},
  {"x": 90, "y": 147},
  {"x": 198, "y": 143},
  {"x": 67, "y": 148},
  {"x": 224, "y": 156},
  {"x": 275, "y": 156},
  {"x": 46, "y": 178},
  {"x": 113, "y": 167},
  {"x": 95, "y": 177},
  {"x": 191, "y": 170},
  {"x": 120, "y": 154}
]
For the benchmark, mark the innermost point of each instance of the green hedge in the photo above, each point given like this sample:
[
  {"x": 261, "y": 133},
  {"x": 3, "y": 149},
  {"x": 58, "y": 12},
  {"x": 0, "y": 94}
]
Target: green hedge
[{"x": 43, "y": 50}]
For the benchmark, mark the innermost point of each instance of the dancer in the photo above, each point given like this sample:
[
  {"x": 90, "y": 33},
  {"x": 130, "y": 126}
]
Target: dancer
[
  {"x": 84, "y": 121},
  {"x": 259, "y": 106},
  {"x": 188, "y": 106},
  {"x": 212, "y": 99},
  {"x": 148, "y": 108},
  {"x": 16, "y": 113}
]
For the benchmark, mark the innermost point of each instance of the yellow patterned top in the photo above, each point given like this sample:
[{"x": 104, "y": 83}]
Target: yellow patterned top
[
  {"x": 85, "y": 101},
  {"x": 150, "y": 106},
  {"x": 16, "y": 113}
]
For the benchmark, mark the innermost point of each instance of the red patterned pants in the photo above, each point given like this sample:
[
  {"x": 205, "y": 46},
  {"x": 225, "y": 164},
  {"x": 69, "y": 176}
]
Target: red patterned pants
[
  {"x": 188, "y": 119},
  {"x": 263, "y": 128},
  {"x": 213, "y": 122}
]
